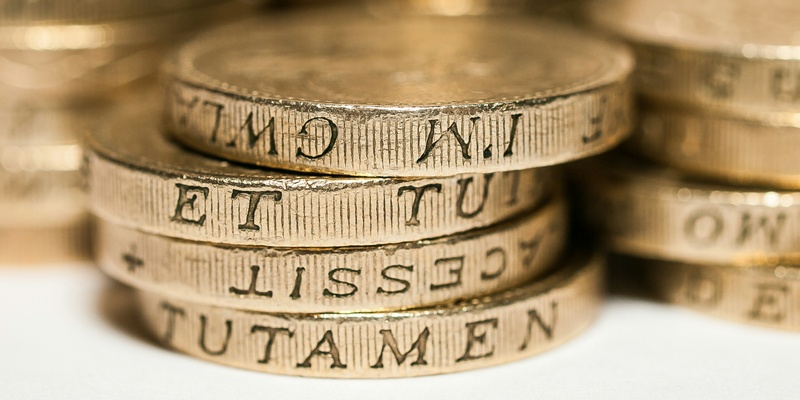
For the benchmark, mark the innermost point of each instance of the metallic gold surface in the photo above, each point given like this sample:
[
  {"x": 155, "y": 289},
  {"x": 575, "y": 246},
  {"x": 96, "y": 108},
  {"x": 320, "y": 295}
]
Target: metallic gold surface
[
  {"x": 652, "y": 212},
  {"x": 41, "y": 198},
  {"x": 65, "y": 62},
  {"x": 356, "y": 95},
  {"x": 469, "y": 7},
  {"x": 728, "y": 148},
  {"x": 738, "y": 55},
  {"x": 21, "y": 12},
  {"x": 472, "y": 334},
  {"x": 765, "y": 295},
  {"x": 31, "y": 123},
  {"x": 386, "y": 277},
  {"x": 139, "y": 179},
  {"x": 40, "y": 161},
  {"x": 104, "y": 34},
  {"x": 64, "y": 77}
]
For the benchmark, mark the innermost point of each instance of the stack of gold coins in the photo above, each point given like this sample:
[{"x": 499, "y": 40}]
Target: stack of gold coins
[
  {"x": 423, "y": 231},
  {"x": 713, "y": 227},
  {"x": 60, "y": 63}
]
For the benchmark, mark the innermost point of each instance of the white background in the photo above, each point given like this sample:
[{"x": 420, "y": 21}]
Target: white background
[{"x": 67, "y": 333}]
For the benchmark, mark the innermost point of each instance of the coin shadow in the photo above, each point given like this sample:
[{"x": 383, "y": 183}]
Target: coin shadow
[
  {"x": 626, "y": 278},
  {"x": 117, "y": 306}
]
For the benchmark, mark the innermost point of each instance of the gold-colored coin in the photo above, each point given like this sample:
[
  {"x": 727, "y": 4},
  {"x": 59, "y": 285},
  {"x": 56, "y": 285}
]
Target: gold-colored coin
[
  {"x": 61, "y": 63},
  {"x": 29, "y": 12},
  {"x": 738, "y": 55},
  {"x": 765, "y": 295},
  {"x": 40, "y": 161},
  {"x": 40, "y": 185},
  {"x": 653, "y": 212},
  {"x": 725, "y": 147},
  {"x": 472, "y": 334},
  {"x": 140, "y": 179},
  {"x": 64, "y": 77},
  {"x": 43, "y": 197},
  {"x": 32, "y": 124},
  {"x": 385, "y": 277},
  {"x": 356, "y": 95},
  {"x": 467, "y": 7},
  {"x": 449, "y": 8}
]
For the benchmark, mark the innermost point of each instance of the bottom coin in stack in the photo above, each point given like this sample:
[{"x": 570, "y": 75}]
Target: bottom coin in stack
[
  {"x": 459, "y": 336},
  {"x": 765, "y": 295}
]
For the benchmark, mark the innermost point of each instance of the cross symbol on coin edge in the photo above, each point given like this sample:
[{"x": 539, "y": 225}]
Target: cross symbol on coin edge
[{"x": 132, "y": 260}]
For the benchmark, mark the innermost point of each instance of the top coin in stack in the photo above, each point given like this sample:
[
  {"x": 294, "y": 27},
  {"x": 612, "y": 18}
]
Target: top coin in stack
[
  {"x": 735, "y": 55},
  {"x": 399, "y": 97}
]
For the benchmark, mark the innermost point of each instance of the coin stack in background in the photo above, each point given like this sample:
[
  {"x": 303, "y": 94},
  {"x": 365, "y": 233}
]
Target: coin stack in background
[
  {"x": 715, "y": 227},
  {"x": 41, "y": 196},
  {"x": 62, "y": 63},
  {"x": 421, "y": 233}
]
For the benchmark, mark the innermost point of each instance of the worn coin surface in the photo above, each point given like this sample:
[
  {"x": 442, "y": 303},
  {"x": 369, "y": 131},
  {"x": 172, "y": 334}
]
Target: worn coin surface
[
  {"x": 653, "y": 212},
  {"x": 384, "y": 277},
  {"x": 399, "y": 97},
  {"x": 140, "y": 179},
  {"x": 476, "y": 333},
  {"x": 738, "y": 55},
  {"x": 766, "y": 295},
  {"x": 733, "y": 148}
]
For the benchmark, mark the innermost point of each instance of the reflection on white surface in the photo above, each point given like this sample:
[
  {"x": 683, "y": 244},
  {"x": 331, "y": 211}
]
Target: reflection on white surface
[{"x": 57, "y": 342}]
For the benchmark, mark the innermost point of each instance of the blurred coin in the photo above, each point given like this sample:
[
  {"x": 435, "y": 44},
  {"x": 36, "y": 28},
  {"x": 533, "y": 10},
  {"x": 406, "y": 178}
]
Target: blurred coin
[
  {"x": 653, "y": 212},
  {"x": 66, "y": 61},
  {"x": 766, "y": 295},
  {"x": 39, "y": 12},
  {"x": 737, "y": 55},
  {"x": 40, "y": 164},
  {"x": 742, "y": 149}
]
